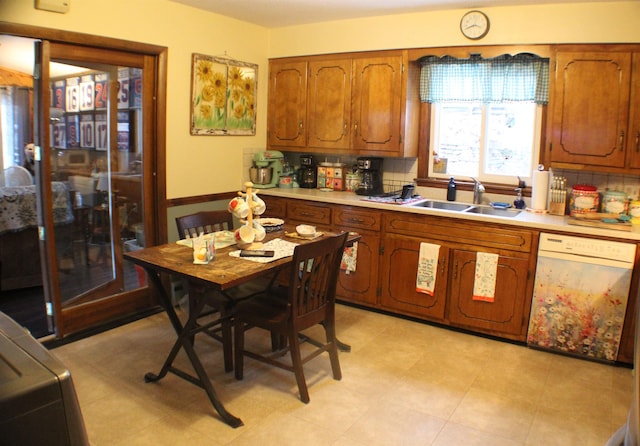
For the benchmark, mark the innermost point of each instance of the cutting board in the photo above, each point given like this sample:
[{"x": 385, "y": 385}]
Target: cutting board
[{"x": 620, "y": 226}]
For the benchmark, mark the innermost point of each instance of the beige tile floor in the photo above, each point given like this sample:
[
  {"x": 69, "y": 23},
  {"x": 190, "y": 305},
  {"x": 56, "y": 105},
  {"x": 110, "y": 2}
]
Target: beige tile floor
[{"x": 404, "y": 383}]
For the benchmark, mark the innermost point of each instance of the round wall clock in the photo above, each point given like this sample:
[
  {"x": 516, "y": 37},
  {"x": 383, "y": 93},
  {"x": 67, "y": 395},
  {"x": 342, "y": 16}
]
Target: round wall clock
[{"x": 474, "y": 25}]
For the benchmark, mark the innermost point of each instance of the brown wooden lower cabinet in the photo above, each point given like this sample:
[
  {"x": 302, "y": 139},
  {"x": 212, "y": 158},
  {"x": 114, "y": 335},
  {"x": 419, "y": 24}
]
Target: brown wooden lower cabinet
[
  {"x": 452, "y": 301},
  {"x": 388, "y": 253},
  {"x": 398, "y": 276},
  {"x": 361, "y": 286},
  {"x": 508, "y": 314}
]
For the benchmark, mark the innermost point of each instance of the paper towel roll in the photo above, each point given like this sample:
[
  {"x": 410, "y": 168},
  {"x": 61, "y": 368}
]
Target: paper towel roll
[{"x": 539, "y": 190}]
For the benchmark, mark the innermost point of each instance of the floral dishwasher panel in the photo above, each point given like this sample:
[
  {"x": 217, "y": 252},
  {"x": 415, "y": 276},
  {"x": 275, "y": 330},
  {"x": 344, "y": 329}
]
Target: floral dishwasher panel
[{"x": 579, "y": 305}]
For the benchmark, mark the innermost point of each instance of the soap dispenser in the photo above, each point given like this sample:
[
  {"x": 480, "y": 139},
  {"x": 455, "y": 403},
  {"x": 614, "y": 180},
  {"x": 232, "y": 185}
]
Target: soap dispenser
[
  {"x": 519, "y": 202},
  {"x": 451, "y": 190}
]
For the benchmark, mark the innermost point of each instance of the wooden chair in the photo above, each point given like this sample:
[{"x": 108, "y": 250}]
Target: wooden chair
[
  {"x": 205, "y": 222},
  {"x": 308, "y": 300},
  {"x": 189, "y": 226}
]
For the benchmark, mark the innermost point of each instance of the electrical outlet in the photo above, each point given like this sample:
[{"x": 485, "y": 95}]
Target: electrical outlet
[{"x": 61, "y": 6}]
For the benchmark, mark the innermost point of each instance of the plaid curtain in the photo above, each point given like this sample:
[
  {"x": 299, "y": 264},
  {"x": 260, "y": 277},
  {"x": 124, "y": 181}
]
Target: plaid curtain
[{"x": 506, "y": 78}]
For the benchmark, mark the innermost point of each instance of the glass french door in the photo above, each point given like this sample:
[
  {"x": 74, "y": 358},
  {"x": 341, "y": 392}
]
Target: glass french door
[{"x": 92, "y": 132}]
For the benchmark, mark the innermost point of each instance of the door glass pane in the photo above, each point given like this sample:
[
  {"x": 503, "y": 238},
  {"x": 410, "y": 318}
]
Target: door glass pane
[{"x": 96, "y": 178}]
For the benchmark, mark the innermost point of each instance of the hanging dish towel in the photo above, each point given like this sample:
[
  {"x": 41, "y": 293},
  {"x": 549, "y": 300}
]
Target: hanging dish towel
[
  {"x": 484, "y": 284},
  {"x": 427, "y": 268},
  {"x": 349, "y": 259}
]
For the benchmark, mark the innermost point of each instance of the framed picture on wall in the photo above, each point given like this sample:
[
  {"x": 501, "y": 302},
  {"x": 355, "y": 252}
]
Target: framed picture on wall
[{"x": 223, "y": 96}]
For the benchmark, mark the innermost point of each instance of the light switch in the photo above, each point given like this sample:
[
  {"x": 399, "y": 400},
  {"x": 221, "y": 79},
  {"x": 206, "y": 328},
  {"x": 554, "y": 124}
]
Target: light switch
[{"x": 61, "y": 6}]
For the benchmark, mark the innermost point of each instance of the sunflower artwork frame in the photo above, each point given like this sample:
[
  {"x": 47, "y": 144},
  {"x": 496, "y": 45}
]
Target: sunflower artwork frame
[{"x": 223, "y": 96}]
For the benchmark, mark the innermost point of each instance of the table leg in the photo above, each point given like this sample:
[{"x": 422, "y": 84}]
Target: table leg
[{"x": 184, "y": 341}]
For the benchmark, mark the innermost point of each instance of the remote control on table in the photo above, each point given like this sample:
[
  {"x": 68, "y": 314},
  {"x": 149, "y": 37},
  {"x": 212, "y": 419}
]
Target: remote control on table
[{"x": 256, "y": 253}]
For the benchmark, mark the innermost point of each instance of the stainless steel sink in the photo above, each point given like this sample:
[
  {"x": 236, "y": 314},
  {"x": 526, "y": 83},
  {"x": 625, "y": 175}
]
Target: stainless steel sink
[
  {"x": 445, "y": 205},
  {"x": 488, "y": 210},
  {"x": 467, "y": 208}
]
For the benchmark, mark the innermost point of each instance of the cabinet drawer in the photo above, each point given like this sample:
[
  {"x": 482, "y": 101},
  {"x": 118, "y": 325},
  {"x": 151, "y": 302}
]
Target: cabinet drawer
[
  {"x": 309, "y": 213},
  {"x": 276, "y": 207},
  {"x": 356, "y": 218},
  {"x": 461, "y": 232}
]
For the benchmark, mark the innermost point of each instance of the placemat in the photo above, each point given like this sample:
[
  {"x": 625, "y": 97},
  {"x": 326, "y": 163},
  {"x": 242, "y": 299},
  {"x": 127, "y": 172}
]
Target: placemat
[{"x": 281, "y": 248}]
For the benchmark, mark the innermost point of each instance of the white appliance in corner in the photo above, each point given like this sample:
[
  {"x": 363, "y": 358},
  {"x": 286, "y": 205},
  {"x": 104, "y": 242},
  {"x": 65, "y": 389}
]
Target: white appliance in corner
[{"x": 580, "y": 295}]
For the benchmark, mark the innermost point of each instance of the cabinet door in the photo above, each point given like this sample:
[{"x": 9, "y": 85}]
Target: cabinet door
[
  {"x": 591, "y": 108},
  {"x": 633, "y": 141},
  {"x": 399, "y": 270},
  {"x": 360, "y": 286},
  {"x": 329, "y": 104},
  {"x": 505, "y": 316},
  {"x": 377, "y": 96},
  {"x": 287, "y": 104}
]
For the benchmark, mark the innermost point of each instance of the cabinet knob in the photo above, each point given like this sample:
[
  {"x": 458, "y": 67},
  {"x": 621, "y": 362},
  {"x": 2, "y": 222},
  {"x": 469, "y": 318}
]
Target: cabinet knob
[
  {"x": 638, "y": 142},
  {"x": 621, "y": 140}
]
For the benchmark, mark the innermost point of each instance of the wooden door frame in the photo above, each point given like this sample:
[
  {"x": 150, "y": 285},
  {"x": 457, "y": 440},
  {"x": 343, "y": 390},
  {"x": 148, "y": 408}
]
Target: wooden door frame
[{"x": 90, "y": 315}]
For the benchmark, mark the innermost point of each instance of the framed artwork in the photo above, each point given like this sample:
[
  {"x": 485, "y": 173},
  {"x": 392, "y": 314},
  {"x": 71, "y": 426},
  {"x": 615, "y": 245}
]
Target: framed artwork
[{"x": 223, "y": 96}]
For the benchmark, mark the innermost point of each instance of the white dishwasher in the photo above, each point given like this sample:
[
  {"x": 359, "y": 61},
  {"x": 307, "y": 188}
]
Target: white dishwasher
[{"x": 580, "y": 295}]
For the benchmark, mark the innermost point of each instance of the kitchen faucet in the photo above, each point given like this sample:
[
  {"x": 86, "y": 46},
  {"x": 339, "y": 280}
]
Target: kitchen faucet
[{"x": 478, "y": 190}]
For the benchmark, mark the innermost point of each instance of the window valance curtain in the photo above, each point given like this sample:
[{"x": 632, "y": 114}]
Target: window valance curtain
[{"x": 506, "y": 78}]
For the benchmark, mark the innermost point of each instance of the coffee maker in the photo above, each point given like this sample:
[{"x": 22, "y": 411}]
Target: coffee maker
[
  {"x": 307, "y": 175},
  {"x": 370, "y": 168}
]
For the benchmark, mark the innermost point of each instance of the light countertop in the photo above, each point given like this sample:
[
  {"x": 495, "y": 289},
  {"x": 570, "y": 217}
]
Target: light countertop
[{"x": 525, "y": 219}]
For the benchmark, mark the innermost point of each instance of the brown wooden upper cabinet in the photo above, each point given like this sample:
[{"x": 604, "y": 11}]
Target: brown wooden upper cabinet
[
  {"x": 633, "y": 140},
  {"x": 344, "y": 103},
  {"x": 287, "y": 109},
  {"x": 595, "y": 111}
]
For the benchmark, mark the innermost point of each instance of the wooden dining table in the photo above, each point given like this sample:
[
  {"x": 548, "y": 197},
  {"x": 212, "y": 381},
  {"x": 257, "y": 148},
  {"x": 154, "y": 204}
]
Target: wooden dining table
[{"x": 224, "y": 273}]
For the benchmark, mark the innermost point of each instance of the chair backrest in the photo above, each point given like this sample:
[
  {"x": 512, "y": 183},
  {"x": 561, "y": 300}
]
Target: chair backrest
[
  {"x": 204, "y": 222},
  {"x": 314, "y": 276},
  {"x": 17, "y": 176}
]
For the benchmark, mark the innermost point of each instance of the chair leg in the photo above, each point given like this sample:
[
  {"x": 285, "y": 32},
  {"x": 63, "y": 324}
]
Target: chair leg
[
  {"x": 238, "y": 333},
  {"x": 296, "y": 360},
  {"x": 277, "y": 341},
  {"x": 333, "y": 350}
]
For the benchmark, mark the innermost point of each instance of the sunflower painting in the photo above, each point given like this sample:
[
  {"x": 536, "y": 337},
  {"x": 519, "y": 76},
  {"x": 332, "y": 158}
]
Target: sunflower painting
[{"x": 223, "y": 96}]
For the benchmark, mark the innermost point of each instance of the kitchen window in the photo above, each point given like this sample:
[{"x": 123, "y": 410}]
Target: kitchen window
[{"x": 486, "y": 115}]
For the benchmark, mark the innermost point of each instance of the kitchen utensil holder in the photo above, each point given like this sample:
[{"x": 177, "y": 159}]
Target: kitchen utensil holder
[
  {"x": 558, "y": 207},
  {"x": 558, "y": 196}
]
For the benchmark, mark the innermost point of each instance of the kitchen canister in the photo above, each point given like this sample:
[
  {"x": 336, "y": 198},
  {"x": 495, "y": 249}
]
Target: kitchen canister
[
  {"x": 353, "y": 180},
  {"x": 285, "y": 181},
  {"x": 634, "y": 208},
  {"x": 584, "y": 199},
  {"x": 614, "y": 202}
]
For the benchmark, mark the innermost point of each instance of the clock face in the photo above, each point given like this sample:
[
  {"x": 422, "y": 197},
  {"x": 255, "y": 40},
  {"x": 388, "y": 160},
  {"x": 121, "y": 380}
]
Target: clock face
[{"x": 474, "y": 25}]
